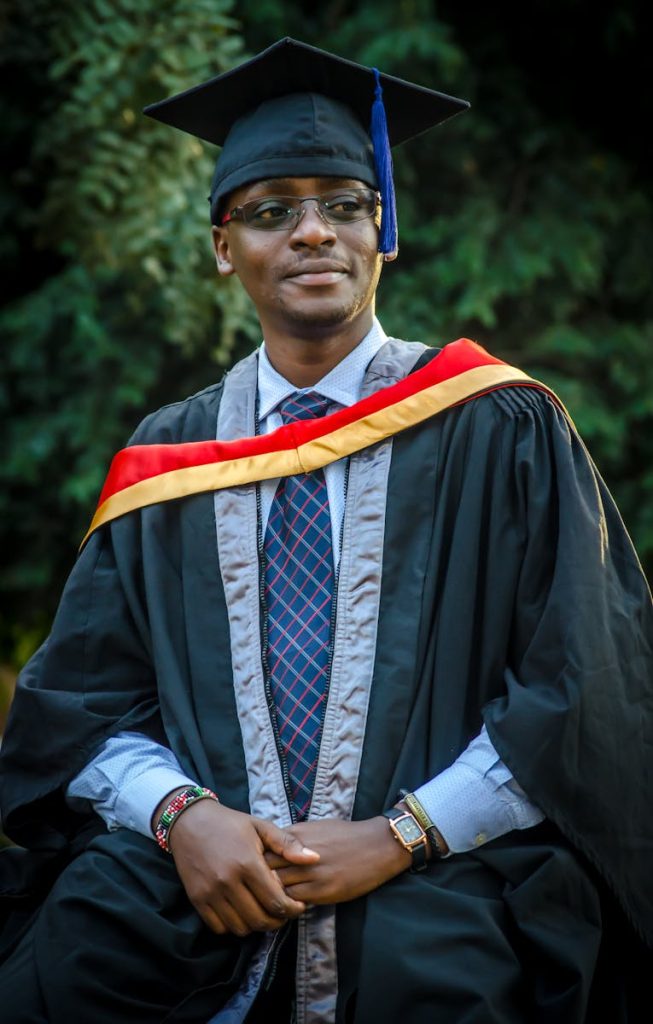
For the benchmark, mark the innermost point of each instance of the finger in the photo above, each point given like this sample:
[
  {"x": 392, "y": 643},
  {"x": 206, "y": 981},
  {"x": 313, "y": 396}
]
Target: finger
[
  {"x": 294, "y": 874},
  {"x": 273, "y": 860},
  {"x": 284, "y": 843},
  {"x": 306, "y": 892},
  {"x": 268, "y": 891},
  {"x": 233, "y": 920},
  {"x": 211, "y": 919},
  {"x": 255, "y": 916}
]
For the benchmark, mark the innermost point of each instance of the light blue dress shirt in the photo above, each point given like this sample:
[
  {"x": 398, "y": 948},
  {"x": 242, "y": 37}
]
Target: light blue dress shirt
[{"x": 473, "y": 801}]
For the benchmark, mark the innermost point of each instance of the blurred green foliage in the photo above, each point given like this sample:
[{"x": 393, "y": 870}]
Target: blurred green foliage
[
  {"x": 527, "y": 224},
  {"x": 113, "y": 305}
]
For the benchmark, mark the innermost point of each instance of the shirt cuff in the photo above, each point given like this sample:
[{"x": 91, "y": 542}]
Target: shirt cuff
[
  {"x": 469, "y": 809},
  {"x": 138, "y": 799}
]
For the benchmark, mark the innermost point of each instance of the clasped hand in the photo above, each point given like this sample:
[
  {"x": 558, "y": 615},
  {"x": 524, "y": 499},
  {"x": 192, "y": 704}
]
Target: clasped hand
[{"x": 244, "y": 874}]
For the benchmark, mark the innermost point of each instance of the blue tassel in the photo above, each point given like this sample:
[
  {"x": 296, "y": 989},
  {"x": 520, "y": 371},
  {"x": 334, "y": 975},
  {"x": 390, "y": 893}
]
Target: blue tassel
[{"x": 383, "y": 163}]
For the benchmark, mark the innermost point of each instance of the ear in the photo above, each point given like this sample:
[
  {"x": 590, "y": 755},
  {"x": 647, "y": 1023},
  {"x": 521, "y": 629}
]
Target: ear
[{"x": 220, "y": 237}]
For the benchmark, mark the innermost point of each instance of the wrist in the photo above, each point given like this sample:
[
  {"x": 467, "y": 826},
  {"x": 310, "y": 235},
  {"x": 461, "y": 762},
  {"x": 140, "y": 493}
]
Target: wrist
[
  {"x": 161, "y": 806},
  {"x": 403, "y": 857},
  {"x": 437, "y": 844},
  {"x": 395, "y": 858},
  {"x": 409, "y": 834},
  {"x": 178, "y": 803}
]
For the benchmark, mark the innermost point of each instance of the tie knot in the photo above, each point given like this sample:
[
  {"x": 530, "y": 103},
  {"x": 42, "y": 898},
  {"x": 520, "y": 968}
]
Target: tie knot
[{"x": 306, "y": 406}]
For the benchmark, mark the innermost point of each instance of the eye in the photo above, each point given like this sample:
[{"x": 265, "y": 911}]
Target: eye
[
  {"x": 346, "y": 203},
  {"x": 272, "y": 210},
  {"x": 348, "y": 206}
]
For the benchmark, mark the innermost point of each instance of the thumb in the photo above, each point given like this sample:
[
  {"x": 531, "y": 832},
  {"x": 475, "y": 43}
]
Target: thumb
[{"x": 284, "y": 843}]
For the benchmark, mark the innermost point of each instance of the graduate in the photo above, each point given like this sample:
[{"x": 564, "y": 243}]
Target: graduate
[{"x": 346, "y": 712}]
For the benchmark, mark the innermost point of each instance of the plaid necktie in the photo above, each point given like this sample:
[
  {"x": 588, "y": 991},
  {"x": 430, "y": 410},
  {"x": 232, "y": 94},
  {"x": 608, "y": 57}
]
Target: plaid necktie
[{"x": 299, "y": 595}]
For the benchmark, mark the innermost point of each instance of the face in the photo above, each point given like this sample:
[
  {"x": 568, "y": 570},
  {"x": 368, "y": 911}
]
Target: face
[{"x": 309, "y": 278}]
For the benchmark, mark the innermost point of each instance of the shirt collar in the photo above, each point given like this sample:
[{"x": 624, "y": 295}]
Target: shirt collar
[{"x": 341, "y": 385}]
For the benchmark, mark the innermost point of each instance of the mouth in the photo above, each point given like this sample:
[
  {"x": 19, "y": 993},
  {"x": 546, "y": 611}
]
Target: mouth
[{"x": 318, "y": 273}]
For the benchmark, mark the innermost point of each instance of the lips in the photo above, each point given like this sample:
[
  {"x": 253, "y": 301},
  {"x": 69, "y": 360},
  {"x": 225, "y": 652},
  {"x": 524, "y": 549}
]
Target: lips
[{"x": 317, "y": 272}]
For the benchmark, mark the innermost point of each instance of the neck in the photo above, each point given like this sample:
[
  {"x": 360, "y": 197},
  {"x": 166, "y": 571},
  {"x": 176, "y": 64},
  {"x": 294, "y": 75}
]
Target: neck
[{"x": 304, "y": 358}]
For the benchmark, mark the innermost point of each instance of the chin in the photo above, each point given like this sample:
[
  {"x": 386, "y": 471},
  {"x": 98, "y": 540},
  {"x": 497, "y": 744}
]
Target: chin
[{"x": 324, "y": 316}]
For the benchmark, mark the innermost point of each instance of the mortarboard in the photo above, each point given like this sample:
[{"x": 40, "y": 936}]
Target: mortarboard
[{"x": 297, "y": 111}]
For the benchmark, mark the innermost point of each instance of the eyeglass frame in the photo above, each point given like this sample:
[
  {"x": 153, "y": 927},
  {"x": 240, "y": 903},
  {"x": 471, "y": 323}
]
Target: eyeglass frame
[{"x": 236, "y": 213}]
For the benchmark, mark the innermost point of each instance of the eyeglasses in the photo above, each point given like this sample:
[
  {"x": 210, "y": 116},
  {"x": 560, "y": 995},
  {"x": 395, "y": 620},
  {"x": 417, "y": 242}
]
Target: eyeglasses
[{"x": 283, "y": 213}]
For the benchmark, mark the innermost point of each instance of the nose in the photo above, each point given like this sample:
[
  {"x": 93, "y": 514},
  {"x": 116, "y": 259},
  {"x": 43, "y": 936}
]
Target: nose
[{"x": 312, "y": 229}]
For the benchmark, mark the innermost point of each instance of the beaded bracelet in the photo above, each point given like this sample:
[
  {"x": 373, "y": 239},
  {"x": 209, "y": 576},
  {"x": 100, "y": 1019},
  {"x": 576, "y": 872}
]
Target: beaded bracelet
[{"x": 177, "y": 805}]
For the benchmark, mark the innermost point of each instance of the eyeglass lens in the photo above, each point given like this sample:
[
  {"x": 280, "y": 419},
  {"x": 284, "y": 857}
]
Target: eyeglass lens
[{"x": 340, "y": 206}]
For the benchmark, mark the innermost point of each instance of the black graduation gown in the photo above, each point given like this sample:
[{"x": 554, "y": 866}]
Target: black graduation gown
[{"x": 510, "y": 594}]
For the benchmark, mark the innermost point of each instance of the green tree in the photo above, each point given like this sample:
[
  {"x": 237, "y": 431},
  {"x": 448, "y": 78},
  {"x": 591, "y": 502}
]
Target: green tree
[{"x": 107, "y": 248}]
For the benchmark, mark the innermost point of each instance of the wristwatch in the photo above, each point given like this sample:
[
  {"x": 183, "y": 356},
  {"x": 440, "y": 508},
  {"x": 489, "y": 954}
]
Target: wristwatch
[
  {"x": 408, "y": 831},
  {"x": 432, "y": 834}
]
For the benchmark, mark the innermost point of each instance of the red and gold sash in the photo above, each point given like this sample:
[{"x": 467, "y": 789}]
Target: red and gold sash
[{"x": 146, "y": 474}]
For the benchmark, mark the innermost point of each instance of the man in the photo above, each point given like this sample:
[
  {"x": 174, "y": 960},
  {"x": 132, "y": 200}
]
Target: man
[{"x": 367, "y": 676}]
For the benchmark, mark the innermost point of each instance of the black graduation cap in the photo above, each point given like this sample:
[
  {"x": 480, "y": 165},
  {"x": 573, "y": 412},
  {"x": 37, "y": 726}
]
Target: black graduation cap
[{"x": 297, "y": 111}]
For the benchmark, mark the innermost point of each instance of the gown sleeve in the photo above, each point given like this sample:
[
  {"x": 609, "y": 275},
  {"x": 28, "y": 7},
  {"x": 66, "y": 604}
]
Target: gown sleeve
[
  {"x": 575, "y": 724},
  {"x": 91, "y": 679},
  {"x": 95, "y": 675}
]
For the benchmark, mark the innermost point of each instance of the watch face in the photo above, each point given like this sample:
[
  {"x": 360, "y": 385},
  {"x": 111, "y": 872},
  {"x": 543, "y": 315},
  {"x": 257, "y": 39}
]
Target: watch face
[{"x": 409, "y": 830}]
